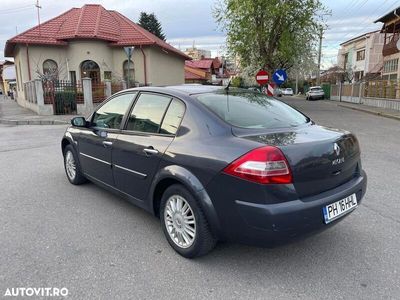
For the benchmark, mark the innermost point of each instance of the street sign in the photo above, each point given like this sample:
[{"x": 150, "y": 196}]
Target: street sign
[
  {"x": 129, "y": 51},
  {"x": 262, "y": 77},
  {"x": 279, "y": 76}
]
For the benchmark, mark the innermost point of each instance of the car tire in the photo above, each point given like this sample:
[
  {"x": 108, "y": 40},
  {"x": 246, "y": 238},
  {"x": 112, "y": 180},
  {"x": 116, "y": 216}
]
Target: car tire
[
  {"x": 192, "y": 239},
  {"x": 72, "y": 166}
]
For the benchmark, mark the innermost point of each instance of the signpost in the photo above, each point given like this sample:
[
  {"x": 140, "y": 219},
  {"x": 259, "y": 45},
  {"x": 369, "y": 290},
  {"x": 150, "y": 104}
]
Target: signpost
[
  {"x": 262, "y": 77},
  {"x": 129, "y": 52},
  {"x": 279, "y": 76}
]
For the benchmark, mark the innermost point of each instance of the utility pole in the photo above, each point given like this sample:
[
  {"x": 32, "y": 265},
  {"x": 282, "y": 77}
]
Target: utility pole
[
  {"x": 38, "y": 14},
  {"x": 319, "y": 55}
]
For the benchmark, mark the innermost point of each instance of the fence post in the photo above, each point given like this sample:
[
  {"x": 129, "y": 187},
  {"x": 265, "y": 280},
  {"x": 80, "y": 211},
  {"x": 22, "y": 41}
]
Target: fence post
[
  {"x": 340, "y": 91},
  {"x": 107, "y": 86},
  {"x": 124, "y": 86},
  {"x": 360, "y": 93},
  {"x": 87, "y": 94},
  {"x": 39, "y": 92},
  {"x": 42, "y": 109}
]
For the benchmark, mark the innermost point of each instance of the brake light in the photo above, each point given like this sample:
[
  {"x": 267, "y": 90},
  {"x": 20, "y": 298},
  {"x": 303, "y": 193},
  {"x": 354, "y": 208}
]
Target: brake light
[{"x": 262, "y": 165}]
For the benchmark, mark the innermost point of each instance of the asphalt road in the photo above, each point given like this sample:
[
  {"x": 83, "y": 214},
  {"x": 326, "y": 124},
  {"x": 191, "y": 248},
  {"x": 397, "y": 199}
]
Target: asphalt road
[{"x": 54, "y": 234}]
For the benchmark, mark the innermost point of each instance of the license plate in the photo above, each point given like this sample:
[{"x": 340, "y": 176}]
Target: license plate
[{"x": 339, "y": 208}]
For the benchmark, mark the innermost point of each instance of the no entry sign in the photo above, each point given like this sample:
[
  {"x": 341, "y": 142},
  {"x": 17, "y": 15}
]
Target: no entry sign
[{"x": 262, "y": 77}]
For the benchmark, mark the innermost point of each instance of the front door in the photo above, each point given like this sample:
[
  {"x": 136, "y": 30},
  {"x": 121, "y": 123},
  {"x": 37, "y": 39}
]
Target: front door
[
  {"x": 137, "y": 152},
  {"x": 96, "y": 142}
]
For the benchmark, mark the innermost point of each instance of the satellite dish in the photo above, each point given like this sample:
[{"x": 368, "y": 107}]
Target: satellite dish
[{"x": 398, "y": 44}]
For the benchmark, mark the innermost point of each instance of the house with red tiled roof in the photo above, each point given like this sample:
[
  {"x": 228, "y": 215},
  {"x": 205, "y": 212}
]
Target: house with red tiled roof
[
  {"x": 89, "y": 42},
  {"x": 212, "y": 68}
]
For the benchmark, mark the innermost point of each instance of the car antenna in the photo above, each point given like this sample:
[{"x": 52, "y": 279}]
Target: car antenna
[{"x": 228, "y": 85}]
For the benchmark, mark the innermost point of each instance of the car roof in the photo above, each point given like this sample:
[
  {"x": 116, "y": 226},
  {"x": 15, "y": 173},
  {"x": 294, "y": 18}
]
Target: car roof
[{"x": 316, "y": 87}]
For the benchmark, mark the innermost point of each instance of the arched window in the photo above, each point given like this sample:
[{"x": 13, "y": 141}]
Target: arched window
[
  {"x": 50, "y": 69},
  {"x": 129, "y": 72},
  {"x": 90, "y": 69}
]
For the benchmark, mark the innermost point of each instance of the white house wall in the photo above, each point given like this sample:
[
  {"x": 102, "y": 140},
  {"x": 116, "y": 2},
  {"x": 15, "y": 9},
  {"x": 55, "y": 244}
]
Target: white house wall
[
  {"x": 165, "y": 68},
  {"x": 162, "y": 68}
]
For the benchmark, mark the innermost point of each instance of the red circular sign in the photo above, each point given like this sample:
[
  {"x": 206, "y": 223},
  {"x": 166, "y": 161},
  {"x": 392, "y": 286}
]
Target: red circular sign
[{"x": 262, "y": 77}]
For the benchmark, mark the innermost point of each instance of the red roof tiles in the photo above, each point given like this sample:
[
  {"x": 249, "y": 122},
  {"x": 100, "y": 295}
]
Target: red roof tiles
[{"x": 91, "y": 21}]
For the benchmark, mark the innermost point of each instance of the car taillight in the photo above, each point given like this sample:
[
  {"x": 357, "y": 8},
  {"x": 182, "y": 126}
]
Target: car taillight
[{"x": 262, "y": 165}]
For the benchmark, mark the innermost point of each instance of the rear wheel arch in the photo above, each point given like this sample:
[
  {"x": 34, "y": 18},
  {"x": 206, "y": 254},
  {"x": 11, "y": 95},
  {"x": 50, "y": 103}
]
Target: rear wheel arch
[{"x": 174, "y": 174}]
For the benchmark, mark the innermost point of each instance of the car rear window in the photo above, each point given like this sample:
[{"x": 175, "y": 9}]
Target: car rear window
[
  {"x": 316, "y": 90},
  {"x": 252, "y": 110}
]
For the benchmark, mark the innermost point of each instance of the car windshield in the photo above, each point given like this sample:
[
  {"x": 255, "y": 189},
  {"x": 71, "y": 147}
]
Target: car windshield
[
  {"x": 252, "y": 110},
  {"x": 316, "y": 89}
]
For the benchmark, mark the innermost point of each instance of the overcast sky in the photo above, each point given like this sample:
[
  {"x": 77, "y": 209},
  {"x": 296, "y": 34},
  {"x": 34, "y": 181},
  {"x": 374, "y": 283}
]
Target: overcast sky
[{"x": 185, "y": 21}]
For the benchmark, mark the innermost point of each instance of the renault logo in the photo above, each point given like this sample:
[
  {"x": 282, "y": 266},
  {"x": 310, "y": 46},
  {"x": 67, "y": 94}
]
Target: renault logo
[{"x": 336, "y": 149}]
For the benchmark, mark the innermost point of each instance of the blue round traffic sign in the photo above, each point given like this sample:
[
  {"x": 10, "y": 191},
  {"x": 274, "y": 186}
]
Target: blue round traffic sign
[{"x": 279, "y": 76}]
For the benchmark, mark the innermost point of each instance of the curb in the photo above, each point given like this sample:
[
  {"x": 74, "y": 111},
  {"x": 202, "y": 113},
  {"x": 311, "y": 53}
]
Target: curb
[
  {"x": 33, "y": 122},
  {"x": 377, "y": 113}
]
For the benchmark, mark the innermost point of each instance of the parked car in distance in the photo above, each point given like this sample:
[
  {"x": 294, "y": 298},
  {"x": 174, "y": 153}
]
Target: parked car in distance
[
  {"x": 217, "y": 164},
  {"x": 287, "y": 92},
  {"x": 315, "y": 92},
  {"x": 254, "y": 89},
  {"x": 278, "y": 92}
]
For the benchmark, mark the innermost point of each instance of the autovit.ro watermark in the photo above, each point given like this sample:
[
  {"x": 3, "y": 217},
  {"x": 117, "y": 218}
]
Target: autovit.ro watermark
[{"x": 39, "y": 291}]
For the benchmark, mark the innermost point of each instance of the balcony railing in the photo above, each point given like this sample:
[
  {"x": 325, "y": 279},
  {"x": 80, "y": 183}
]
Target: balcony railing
[{"x": 390, "y": 46}]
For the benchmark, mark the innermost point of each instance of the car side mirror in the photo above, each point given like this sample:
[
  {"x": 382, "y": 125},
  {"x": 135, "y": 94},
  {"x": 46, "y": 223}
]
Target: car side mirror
[{"x": 78, "y": 122}]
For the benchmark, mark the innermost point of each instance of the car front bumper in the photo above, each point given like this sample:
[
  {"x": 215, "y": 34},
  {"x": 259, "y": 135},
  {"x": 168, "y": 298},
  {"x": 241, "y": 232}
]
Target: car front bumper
[{"x": 273, "y": 224}]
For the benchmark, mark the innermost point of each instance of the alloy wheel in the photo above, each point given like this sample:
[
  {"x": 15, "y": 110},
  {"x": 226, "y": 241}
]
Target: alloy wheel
[
  {"x": 70, "y": 165},
  {"x": 180, "y": 221}
]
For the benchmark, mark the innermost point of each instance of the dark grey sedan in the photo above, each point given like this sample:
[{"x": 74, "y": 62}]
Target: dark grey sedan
[{"x": 217, "y": 164}]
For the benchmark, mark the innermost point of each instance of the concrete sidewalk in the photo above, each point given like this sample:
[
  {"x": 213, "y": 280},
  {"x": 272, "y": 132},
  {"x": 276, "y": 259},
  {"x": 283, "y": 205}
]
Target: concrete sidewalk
[
  {"x": 13, "y": 114},
  {"x": 384, "y": 112}
]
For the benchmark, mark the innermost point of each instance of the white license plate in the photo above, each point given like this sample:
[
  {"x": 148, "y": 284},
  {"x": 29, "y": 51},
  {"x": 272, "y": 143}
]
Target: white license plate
[{"x": 339, "y": 208}]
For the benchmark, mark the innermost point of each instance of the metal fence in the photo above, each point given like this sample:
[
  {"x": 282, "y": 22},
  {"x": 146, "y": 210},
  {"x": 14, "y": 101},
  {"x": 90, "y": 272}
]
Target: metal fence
[
  {"x": 98, "y": 92},
  {"x": 116, "y": 87},
  {"x": 374, "y": 89},
  {"x": 382, "y": 89}
]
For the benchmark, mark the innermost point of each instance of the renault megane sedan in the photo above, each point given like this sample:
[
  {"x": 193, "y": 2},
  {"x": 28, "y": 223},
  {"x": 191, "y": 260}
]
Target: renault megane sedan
[{"x": 217, "y": 164}]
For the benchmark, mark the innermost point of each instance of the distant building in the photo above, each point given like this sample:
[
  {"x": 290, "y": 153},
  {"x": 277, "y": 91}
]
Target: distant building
[
  {"x": 211, "y": 70},
  {"x": 196, "y": 53},
  {"x": 7, "y": 76},
  {"x": 391, "y": 45},
  {"x": 361, "y": 56}
]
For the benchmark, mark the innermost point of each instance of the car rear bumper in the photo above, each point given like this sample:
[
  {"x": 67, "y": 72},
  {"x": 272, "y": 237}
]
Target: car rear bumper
[{"x": 273, "y": 224}]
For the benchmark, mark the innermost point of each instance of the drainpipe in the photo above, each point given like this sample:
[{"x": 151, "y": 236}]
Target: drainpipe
[
  {"x": 27, "y": 61},
  {"x": 144, "y": 65}
]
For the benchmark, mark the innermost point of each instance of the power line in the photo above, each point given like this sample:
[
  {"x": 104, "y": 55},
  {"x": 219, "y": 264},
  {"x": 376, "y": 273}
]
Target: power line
[{"x": 15, "y": 8}]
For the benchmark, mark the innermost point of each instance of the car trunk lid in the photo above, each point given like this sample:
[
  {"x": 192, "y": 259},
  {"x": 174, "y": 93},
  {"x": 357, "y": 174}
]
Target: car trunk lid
[{"x": 320, "y": 158}]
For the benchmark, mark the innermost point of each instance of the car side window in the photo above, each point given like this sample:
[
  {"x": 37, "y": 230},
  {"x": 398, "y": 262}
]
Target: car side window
[
  {"x": 111, "y": 113},
  {"x": 173, "y": 117},
  {"x": 148, "y": 112}
]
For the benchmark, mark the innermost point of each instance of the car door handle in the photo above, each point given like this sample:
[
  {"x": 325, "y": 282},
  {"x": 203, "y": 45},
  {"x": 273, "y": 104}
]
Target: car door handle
[
  {"x": 107, "y": 144},
  {"x": 150, "y": 151}
]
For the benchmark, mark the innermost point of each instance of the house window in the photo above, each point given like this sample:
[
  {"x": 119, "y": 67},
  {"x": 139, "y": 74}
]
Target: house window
[
  {"x": 361, "y": 55},
  {"x": 50, "y": 69},
  {"x": 391, "y": 66},
  {"x": 107, "y": 75},
  {"x": 90, "y": 69},
  {"x": 72, "y": 76},
  {"x": 346, "y": 59},
  {"x": 129, "y": 69}
]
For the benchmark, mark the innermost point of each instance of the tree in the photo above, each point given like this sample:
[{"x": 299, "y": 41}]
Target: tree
[
  {"x": 270, "y": 34},
  {"x": 151, "y": 24}
]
